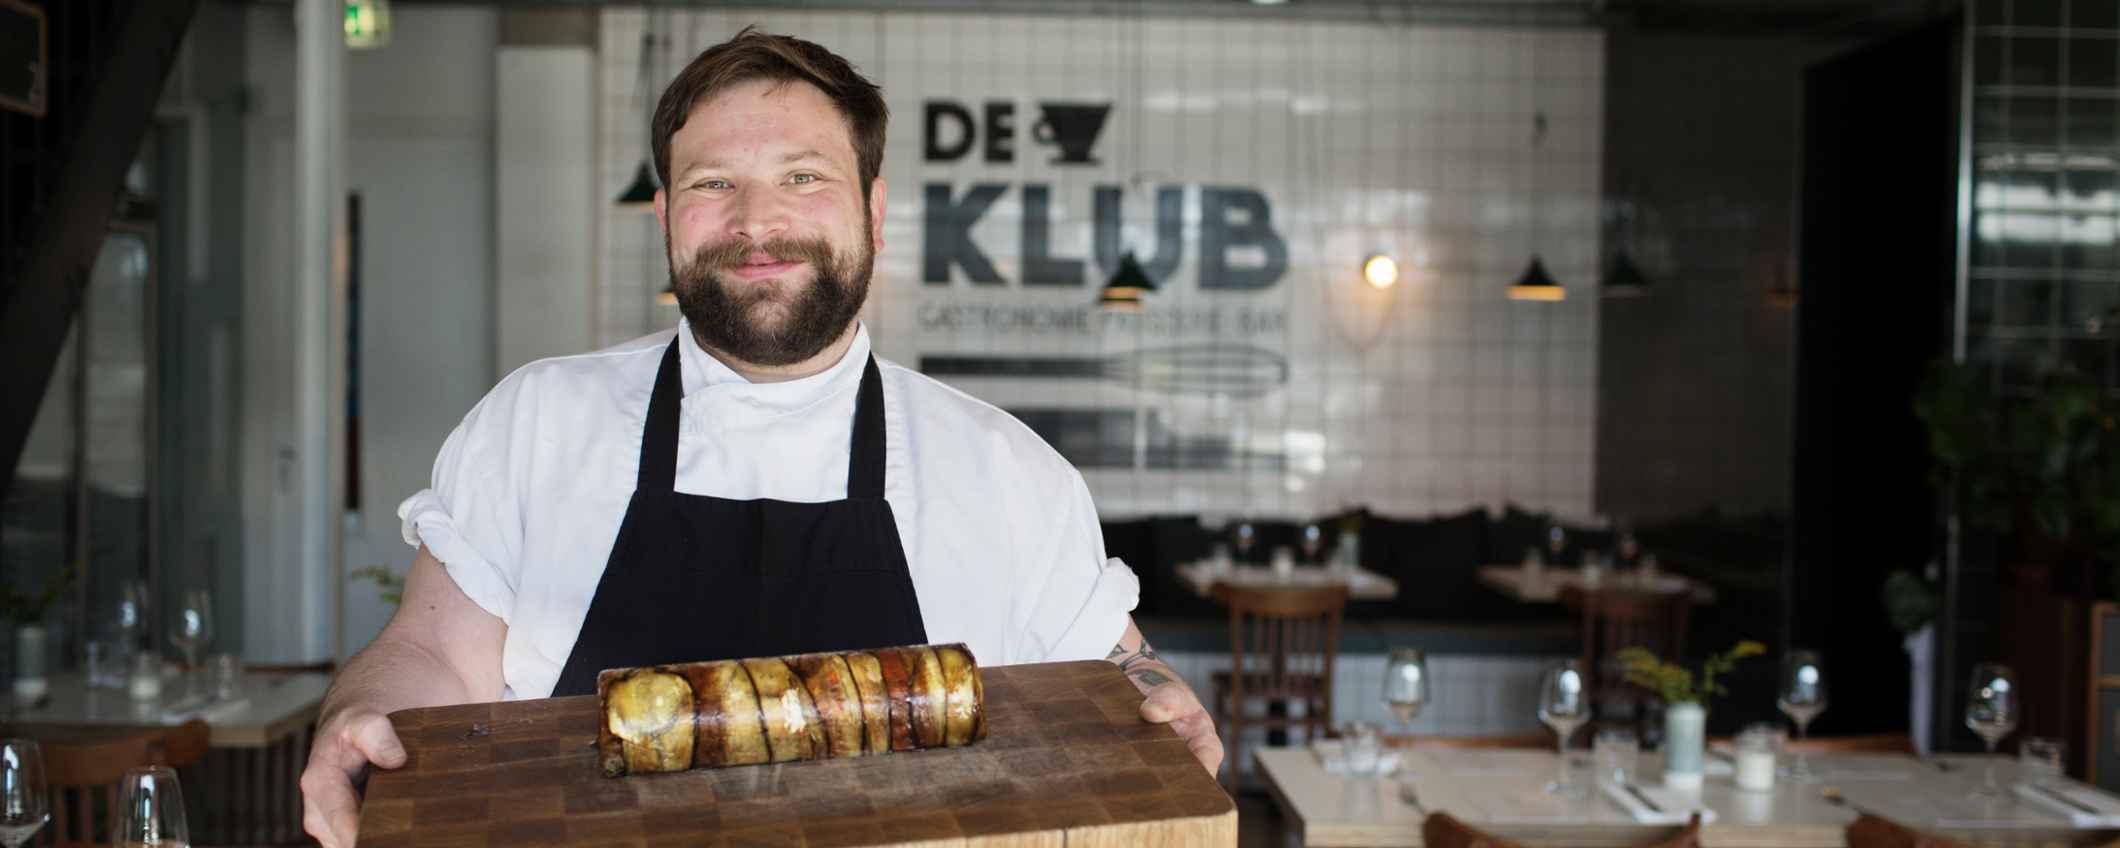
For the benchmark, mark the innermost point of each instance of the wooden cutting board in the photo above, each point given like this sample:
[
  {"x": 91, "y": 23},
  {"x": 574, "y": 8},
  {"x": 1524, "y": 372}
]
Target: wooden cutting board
[{"x": 1067, "y": 760}]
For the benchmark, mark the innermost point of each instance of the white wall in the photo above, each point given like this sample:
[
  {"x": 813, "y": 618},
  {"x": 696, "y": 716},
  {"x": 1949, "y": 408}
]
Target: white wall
[
  {"x": 546, "y": 198},
  {"x": 1435, "y": 395},
  {"x": 420, "y": 131}
]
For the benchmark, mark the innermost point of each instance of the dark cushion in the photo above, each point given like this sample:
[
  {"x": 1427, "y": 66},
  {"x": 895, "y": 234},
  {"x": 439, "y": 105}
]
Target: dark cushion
[{"x": 1435, "y": 563}]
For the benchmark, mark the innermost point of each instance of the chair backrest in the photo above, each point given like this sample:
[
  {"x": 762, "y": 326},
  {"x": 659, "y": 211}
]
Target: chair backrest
[
  {"x": 1283, "y": 637},
  {"x": 1538, "y": 741},
  {"x": 1869, "y": 831},
  {"x": 1441, "y": 830},
  {"x": 84, "y": 776},
  {"x": 1880, "y": 743},
  {"x": 1615, "y": 619}
]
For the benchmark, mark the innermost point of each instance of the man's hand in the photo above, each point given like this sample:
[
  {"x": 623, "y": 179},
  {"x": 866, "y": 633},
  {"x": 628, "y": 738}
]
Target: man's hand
[
  {"x": 1169, "y": 700},
  {"x": 346, "y": 745}
]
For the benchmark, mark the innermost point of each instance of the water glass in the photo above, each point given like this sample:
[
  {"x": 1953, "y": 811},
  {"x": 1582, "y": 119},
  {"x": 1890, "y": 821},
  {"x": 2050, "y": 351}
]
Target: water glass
[
  {"x": 1991, "y": 710},
  {"x": 227, "y": 675},
  {"x": 1757, "y": 747},
  {"x": 25, "y": 801},
  {"x": 1364, "y": 748},
  {"x": 1406, "y": 686},
  {"x": 2039, "y": 760},
  {"x": 151, "y": 809},
  {"x": 1564, "y": 706},
  {"x": 1617, "y": 754}
]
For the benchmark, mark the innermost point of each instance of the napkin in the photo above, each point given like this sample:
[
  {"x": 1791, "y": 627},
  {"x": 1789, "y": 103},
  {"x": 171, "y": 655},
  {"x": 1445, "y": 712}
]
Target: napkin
[
  {"x": 1672, "y": 807},
  {"x": 2098, "y": 810}
]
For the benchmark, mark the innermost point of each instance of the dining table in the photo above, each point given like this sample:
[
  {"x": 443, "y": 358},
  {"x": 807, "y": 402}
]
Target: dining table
[
  {"x": 1504, "y": 792},
  {"x": 1545, "y": 584},
  {"x": 1362, "y": 584},
  {"x": 244, "y": 790}
]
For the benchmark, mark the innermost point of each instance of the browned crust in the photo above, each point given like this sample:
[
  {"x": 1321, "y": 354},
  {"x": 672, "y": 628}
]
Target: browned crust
[
  {"x": 930, "y": 697},
  {"x": 898, "y": 689},
  {"x": 963, "y": 709},
  {"x": 790, "y": 717},
  {"x": 831, "y": 686},
  {"x": 875, "y": 700}
]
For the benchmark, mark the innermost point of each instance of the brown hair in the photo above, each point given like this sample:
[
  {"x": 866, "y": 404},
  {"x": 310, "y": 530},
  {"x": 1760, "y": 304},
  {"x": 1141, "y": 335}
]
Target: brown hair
[{"x": 753, "y": 54}]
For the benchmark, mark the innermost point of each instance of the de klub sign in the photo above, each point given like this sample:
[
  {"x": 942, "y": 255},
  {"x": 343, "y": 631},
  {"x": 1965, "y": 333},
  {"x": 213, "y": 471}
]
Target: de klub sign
[{"x": 1232, "y": 219}]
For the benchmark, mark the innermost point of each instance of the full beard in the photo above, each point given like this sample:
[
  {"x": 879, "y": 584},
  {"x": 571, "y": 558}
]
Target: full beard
[{"x": 770, "y": 321}]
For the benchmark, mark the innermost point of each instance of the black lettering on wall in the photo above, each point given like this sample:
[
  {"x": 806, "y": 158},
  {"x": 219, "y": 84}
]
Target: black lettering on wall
[
  {"x": 1218, "y": 234},
  {"x": 1000, "y": 132},
  {"x": 1170, "y": 223},
  {"x": 1040, "y": 267},
  {"x": 947, "y": 234},
  {"x": 936, "y": 150}
]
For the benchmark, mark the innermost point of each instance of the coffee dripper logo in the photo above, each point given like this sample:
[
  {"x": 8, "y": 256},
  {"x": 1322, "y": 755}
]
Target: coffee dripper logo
[{"x": 1074, "y": 127}]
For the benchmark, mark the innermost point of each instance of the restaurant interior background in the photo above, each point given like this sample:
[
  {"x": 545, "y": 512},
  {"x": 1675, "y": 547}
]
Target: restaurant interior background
[{"x": 1767, "y": 222}]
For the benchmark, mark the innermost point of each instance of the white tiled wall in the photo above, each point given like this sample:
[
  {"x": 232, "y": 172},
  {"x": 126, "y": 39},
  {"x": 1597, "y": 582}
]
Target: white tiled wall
[{"x": 1433, "y": 395}]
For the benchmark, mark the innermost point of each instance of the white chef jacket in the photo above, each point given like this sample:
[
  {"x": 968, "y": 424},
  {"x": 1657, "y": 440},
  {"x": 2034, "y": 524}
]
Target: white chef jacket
[{"x": 999, "y": 532}]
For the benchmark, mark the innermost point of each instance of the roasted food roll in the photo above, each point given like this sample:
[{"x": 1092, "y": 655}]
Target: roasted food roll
[
  {"x": 650, "y": 714},
  {"x": 785, "y": 709}
]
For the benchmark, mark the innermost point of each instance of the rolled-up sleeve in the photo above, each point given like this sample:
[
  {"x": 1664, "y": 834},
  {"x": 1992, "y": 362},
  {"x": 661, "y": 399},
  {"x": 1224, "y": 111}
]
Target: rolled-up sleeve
[
  {"x": 1084, "y": 600},
  {"x": 470, "y": 517}
]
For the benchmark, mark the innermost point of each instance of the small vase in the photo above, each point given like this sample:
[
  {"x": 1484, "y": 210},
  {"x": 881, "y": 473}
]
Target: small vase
[
  {"x": 30, "y": 683},
  {"x": 1685, "y": 728}
]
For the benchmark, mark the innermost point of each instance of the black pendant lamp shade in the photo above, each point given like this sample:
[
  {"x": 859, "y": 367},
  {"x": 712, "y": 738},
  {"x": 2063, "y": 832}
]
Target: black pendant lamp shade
[
  {"x": 641, "y": 193},
  {"x": 1536, "y": 284},
  {"x": 1124, "y": 290},
  {"x": 1625, "y": 279}
]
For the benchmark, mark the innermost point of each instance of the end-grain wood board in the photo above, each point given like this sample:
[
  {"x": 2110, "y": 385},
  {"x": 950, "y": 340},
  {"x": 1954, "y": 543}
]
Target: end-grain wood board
[{"x": 1067, "y": 761}]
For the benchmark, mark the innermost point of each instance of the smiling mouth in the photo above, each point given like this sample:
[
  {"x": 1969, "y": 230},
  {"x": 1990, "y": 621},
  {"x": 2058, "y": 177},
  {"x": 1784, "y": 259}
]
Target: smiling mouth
[{"x": 762, "y": 267}]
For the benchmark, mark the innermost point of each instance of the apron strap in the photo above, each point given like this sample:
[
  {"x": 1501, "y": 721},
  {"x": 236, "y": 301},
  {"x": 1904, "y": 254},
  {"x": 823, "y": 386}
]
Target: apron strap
[
  {"x": 865, "y": 461},
  {"x": 658, "y": 439}
]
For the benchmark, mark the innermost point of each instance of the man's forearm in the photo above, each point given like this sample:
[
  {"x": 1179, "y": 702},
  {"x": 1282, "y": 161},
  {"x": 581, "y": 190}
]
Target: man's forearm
[
  {"x": 1140, "y": 661},
  {"x": 394, "y": 674}
]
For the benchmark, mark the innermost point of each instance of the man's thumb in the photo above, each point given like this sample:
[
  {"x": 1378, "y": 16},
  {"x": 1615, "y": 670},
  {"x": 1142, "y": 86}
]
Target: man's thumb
[
  {"x": 1158, "y": 707},
  {"x": 378, "y": 741}
]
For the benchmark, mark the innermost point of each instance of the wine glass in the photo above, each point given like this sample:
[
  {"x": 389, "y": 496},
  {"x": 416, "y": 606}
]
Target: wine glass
[
  {"x": 1564, "y": 705},
  {"x": 191, "y": 630},
  {"x": 1406, "y": 683},
  {"x": 151, "y": 809},
  {"x": 1313, "y": 541},
  {"x": 1246, "y": 535},
  {"x": 25, "y": 802},
  {"x": 1556, "y": 543},
  {"x": 1991, "y": 712},
  {"x": 1803, "y": 697}
]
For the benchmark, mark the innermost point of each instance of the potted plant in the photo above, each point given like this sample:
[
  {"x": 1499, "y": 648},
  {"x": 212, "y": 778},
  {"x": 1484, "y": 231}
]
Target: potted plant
[
  {"x": 25, "y": 611},
  {"x": 1685, "y": 698},
  {"x": 2035, "y": 471}
]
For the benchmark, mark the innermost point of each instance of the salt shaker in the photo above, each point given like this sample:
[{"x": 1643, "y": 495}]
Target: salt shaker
[{"x": 1755, "y": 758}]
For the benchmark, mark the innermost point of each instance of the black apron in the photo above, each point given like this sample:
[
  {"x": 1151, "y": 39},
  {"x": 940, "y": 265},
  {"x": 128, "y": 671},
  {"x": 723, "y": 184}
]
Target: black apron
[{"x": 701, "y": 578}]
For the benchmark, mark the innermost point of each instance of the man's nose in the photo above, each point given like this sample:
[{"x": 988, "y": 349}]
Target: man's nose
[{"x": 758, "y": 216}]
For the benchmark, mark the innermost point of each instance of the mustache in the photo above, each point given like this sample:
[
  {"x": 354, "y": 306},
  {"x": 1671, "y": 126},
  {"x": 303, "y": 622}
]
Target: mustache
[{"x": 731, "y": 253}]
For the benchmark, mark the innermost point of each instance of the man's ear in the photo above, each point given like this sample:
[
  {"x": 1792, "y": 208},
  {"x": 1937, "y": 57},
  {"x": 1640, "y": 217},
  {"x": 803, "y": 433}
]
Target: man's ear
[
  {"x": 877, "y": 197},
  {"x": 662, "y": 216}
]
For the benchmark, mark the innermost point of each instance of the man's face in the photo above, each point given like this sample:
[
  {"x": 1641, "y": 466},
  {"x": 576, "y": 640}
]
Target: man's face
[{"x": 769, "y": 239}]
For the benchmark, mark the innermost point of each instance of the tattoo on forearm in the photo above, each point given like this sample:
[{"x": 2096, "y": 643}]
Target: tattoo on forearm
[{"x": 1142, "y": 664}]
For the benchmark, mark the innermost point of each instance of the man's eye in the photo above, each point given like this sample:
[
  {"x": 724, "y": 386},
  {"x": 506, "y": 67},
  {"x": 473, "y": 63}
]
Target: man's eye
[
  {"x": 714, "y": 184},
  {"x": 803, "y": 179}
]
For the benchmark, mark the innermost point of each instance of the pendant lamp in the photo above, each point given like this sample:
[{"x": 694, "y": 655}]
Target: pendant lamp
[
  {"x": 1624, "y": 279},
  {"x": 1535, "y": 283},
  {"x": 640, "y": 194}
]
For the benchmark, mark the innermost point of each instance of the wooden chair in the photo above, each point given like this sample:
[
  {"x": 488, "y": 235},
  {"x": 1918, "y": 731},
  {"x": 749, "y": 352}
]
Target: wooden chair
[
  {"x": 1880, "y": 743},
  {"x": 84, "y": 777},
  {"x": 1616, "y": 619},
  {"x": 1282, "y": 642},
  {"x": 1872, "y": 832},
  {"x": 1537, "y": 741},
  {"x": 1441, "y": 830}
]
